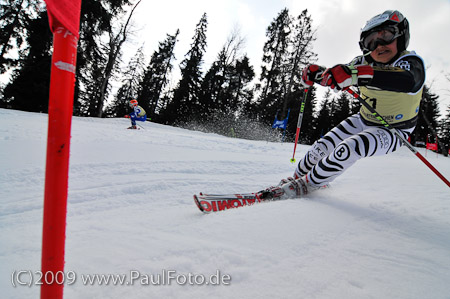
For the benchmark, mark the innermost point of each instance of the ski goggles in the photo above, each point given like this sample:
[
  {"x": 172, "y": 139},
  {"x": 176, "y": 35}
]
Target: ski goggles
[{"x": 383, "y": 36}]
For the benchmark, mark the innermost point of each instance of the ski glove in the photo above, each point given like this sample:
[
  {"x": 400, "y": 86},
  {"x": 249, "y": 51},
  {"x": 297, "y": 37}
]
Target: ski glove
[
  {"x": 312, "y": 74},
  {"x": 127, "y": 116},
  {"x": 341, "y": 76}
]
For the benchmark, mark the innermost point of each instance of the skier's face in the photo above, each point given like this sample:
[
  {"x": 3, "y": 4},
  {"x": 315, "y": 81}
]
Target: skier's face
[{"x": 385, "y": 53}]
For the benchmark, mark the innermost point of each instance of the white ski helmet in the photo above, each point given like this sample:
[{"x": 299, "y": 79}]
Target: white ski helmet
[{"x": 390, "y": 19}]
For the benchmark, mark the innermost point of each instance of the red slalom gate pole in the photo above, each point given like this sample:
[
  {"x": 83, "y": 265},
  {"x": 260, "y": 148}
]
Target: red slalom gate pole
[
  {"x": 395, "y": 132},
  {"x": 60, "y": 109}
]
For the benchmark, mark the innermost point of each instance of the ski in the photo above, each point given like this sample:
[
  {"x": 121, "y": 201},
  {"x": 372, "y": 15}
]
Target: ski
[{"x": 209, "y": 203}]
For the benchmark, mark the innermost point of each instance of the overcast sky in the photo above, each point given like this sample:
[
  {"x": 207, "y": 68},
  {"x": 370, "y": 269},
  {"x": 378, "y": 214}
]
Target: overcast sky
[{"x": 338, "y": 24}]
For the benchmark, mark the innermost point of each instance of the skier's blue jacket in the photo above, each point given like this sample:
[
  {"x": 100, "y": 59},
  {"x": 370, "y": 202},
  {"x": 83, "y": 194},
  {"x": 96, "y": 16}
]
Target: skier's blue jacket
[{"x": 138, "y": 114}]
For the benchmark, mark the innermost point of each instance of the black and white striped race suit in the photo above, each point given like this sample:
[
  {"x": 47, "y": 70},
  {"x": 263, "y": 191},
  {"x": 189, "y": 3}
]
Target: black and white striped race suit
[
  {"x": 345, "y": 144},
  {"x": 396, "y": 89}
]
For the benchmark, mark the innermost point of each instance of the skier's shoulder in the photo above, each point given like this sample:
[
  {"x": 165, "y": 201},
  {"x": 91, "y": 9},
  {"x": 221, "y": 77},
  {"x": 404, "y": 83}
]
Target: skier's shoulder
[
  {"x": 358, "y": 60},
  {"x": 408, "y": 59},
  {"x": 139, "y": 111},
  {"x": 409, "y": 54}
]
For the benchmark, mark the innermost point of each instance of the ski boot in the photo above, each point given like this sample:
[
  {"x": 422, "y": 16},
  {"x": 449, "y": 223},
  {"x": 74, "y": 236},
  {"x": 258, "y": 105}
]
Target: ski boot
[{"x": 289, "y": 188}]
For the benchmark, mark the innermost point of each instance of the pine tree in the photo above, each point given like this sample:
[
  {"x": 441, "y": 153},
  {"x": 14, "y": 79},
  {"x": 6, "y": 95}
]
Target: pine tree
[
  {"x": 342, "y": 108},
  {"x": 444, "y": 128},
  {"x": 241, "y": 94},
  {"x": 15, "y": 17},
  {"x": 156, "y": 76},
  {"x": 323, "y": 118},
  {"x": 28, "y": 87},
  {"x": 444, "y": 133},
  {"x": 300, "y": 55},
  {"x": 185, "y": 102},
  {"x": 428, "y": 116},
  {"x": 210, "y": 89},
  {"x": 34, "y": 68},
  {"x": 97, "y": 18},
  {"x": 215, "y": 84},
  {"x": 226, "y": 97},
  {"x": 273, "y": 71},
  {"x": 244, "y": 91},
  {"x": 355, "y": 106},
  {"x": 287, "y": 50},
  {"x": 132, "y": 76},
  {"x": 224, "y": 87},
  {"x": 111, "y": 52}
]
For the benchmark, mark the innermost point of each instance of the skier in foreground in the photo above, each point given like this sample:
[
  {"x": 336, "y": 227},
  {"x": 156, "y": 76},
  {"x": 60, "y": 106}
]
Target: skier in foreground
[
  {"x": 137, "y": 114},
  {"x": 390, "y": 78}
]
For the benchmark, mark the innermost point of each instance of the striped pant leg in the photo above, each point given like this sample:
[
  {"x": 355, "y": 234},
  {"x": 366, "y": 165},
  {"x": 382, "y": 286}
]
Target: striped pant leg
[
  {"x": 372, "y": 141},
  {"x": 325, "y": 145}
]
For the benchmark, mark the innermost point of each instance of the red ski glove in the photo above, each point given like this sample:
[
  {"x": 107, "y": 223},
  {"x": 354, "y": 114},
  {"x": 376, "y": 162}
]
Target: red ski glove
[
  {"x": 312, "y": 74},
  {"x": 127, "y": 116},
  {"x": 341, "y": 76}
]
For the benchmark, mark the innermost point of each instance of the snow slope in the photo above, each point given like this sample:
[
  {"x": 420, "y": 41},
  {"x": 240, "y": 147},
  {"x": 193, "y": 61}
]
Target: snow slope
[{"x": 381, "y": 231}]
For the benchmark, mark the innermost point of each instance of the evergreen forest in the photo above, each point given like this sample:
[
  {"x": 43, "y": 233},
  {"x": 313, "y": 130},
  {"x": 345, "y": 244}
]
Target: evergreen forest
[{"x": 230, "y": 97}]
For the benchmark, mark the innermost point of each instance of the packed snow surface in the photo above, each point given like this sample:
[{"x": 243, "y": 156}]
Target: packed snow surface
[{"x": 381, "y": 231}]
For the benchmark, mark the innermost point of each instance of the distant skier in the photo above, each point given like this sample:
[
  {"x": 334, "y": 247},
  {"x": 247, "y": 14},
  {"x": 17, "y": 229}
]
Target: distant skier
[
  {"x": 389, "y": 78},
  {"x": 137, "y": 114}
]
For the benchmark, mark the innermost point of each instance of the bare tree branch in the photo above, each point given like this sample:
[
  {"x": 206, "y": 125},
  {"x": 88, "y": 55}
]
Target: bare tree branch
[{"x": 115, "y": 45}]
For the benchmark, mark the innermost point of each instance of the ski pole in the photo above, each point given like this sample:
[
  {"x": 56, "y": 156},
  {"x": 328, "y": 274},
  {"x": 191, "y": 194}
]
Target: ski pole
[
  {"x": 396, "y": 133},
  {"x": 299, "y": 122}
]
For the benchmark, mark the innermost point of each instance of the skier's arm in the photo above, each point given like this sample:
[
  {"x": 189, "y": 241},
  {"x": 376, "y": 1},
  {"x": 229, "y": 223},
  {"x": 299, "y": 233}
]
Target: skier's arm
[{"x": 407, "y": 75}]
